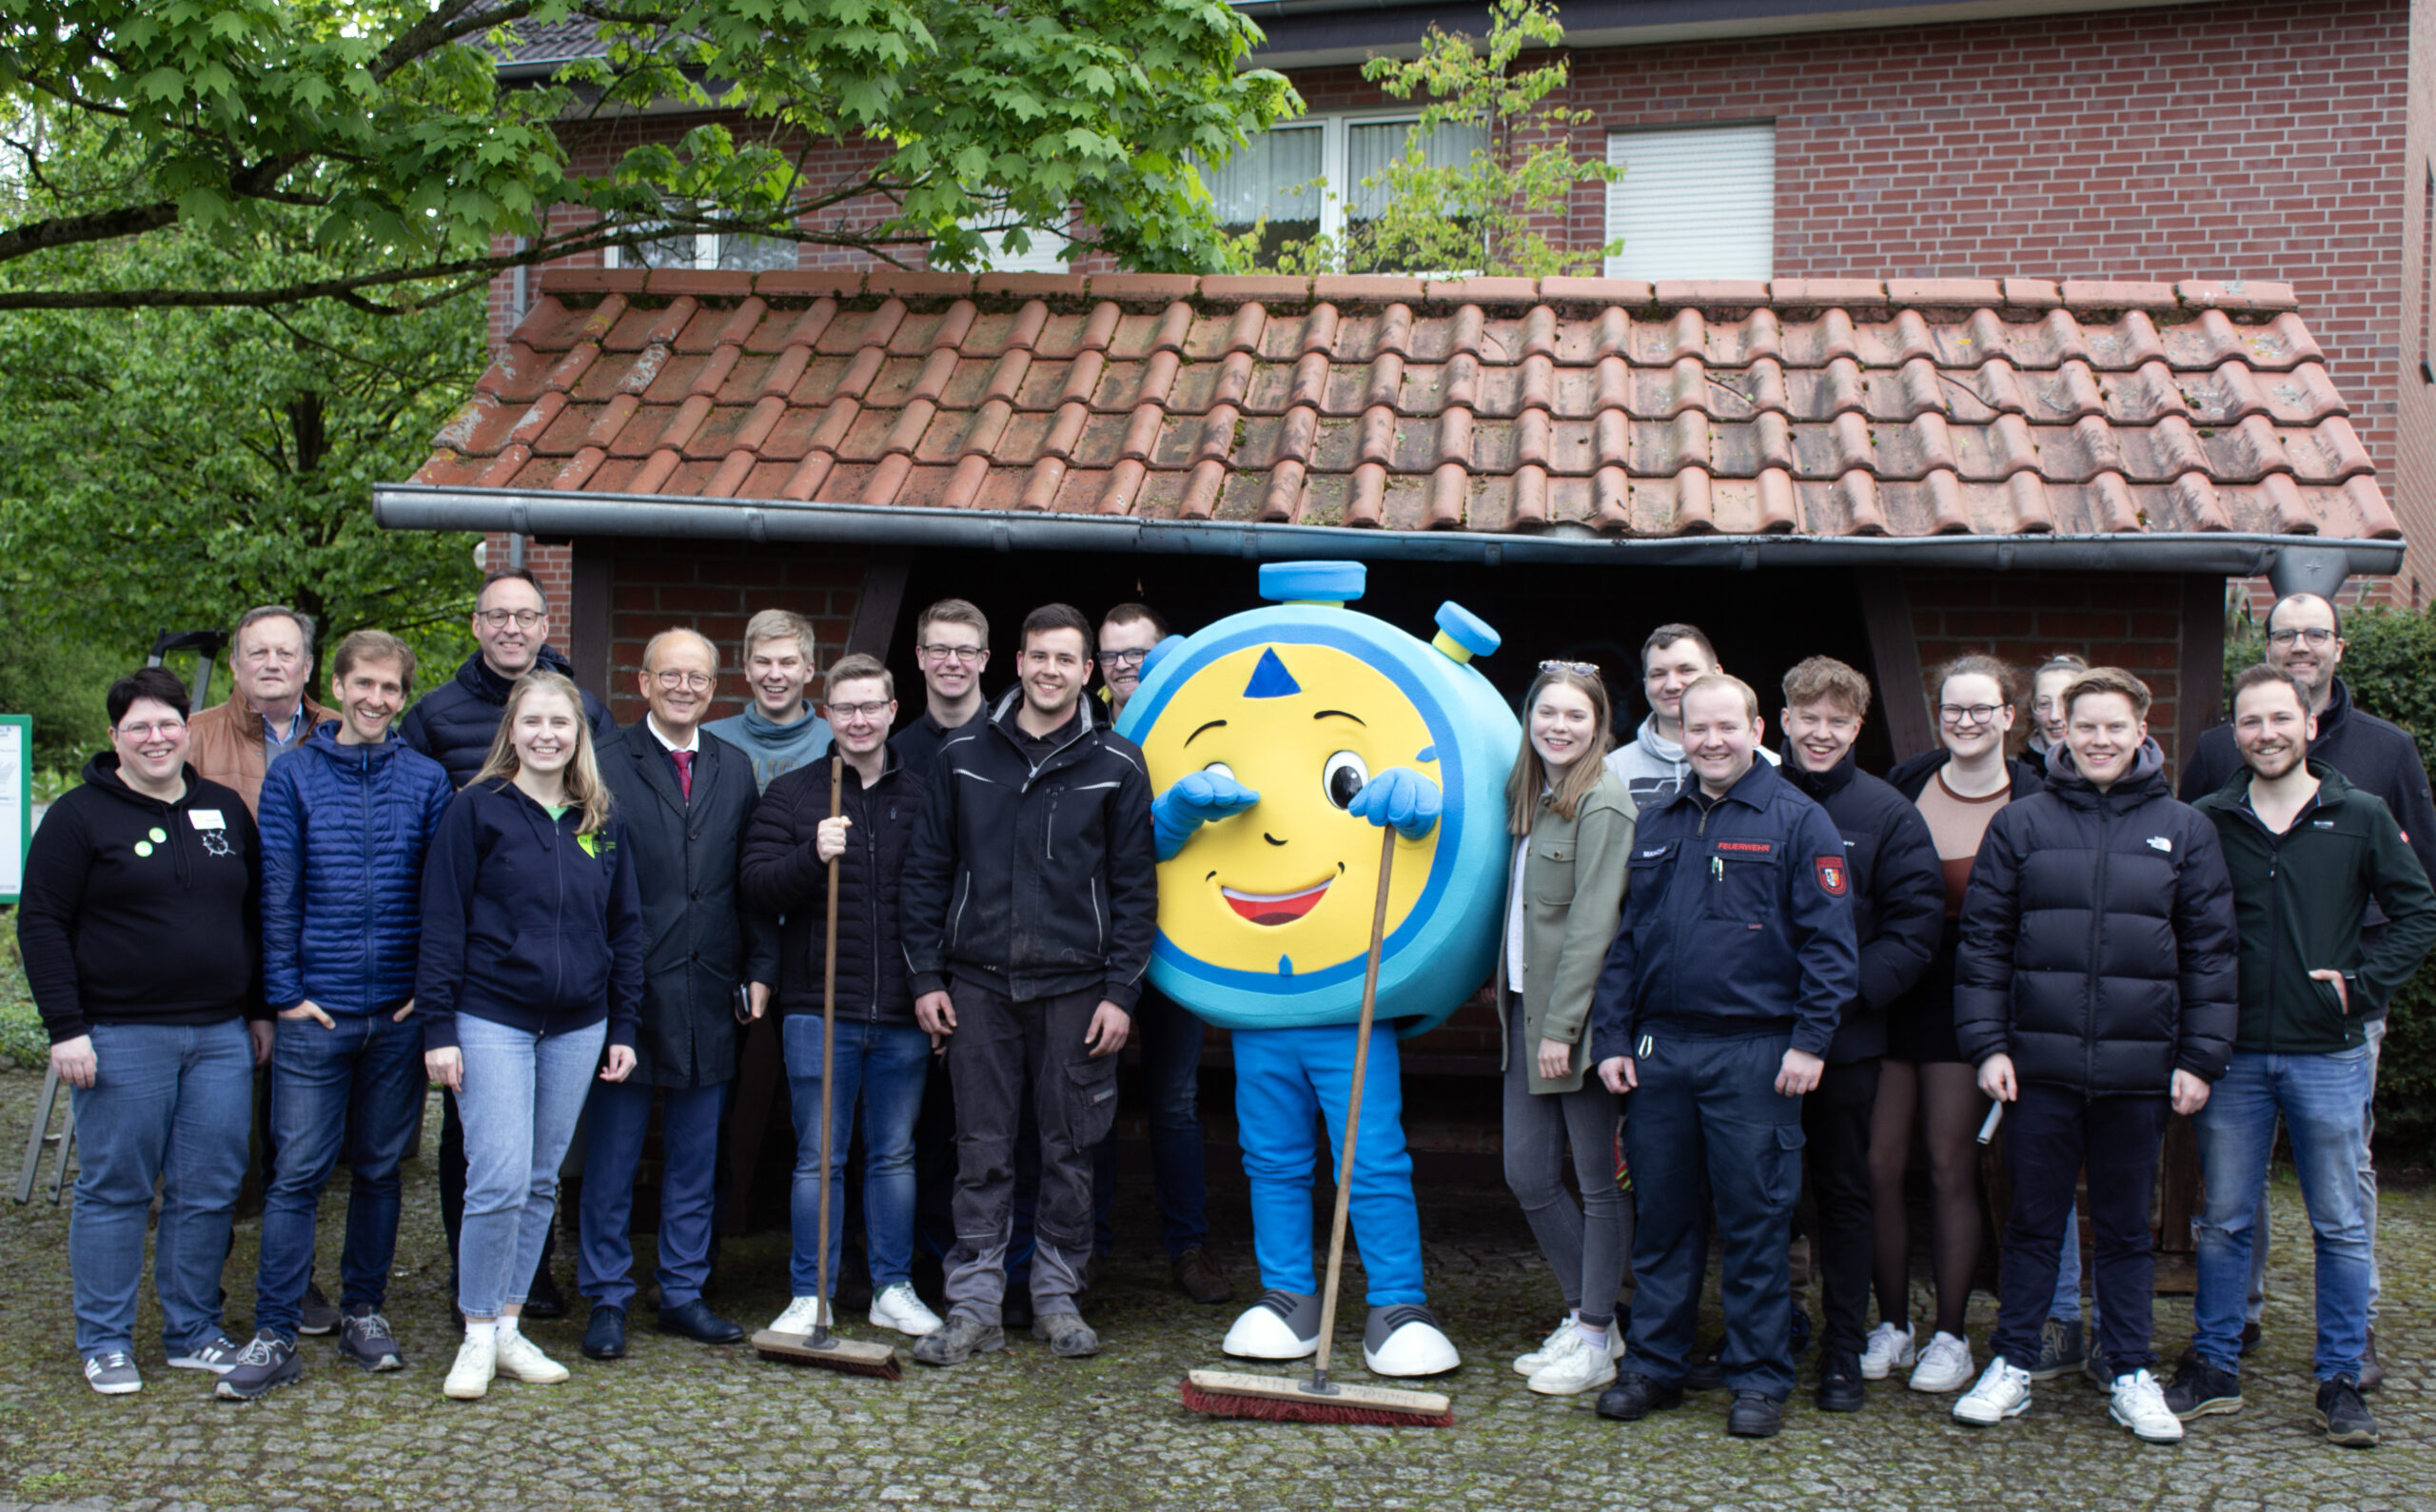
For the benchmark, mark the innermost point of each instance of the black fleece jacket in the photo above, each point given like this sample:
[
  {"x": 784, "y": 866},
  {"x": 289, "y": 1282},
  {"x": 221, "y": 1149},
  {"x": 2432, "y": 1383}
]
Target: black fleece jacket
[
  {"x": 783, "y": 875},
  {"x": 138, "y": 912},
  {"x": 1033, "y": 875},
  {"x": 1898, "y": 889}
]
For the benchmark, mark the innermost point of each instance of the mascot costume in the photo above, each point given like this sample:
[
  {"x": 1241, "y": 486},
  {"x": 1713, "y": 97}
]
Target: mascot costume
[{"x": 1278, "y": 741}]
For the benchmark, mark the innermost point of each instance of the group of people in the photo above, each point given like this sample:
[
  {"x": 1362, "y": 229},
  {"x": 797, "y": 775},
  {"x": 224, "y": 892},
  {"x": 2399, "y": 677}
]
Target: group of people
[{"x": 1764, "y": 969}]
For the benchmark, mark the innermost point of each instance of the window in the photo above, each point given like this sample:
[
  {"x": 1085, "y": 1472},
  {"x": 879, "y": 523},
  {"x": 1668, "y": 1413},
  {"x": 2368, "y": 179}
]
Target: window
[
  {"x": 1696, "y": 204},
  {"x": 749, "y": 254},
  {"x": 1047, "y": 253},
  {"x": 1307, "y": 176}
]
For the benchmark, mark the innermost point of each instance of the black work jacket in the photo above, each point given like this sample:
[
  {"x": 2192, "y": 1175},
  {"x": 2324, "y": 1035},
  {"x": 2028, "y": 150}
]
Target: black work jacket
[{"x": 784, "y": 874}]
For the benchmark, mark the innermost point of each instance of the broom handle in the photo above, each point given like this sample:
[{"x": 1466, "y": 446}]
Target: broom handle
[
  {"x": 828, "y": 1046},
  {"x": 1353, "y": 1108}
]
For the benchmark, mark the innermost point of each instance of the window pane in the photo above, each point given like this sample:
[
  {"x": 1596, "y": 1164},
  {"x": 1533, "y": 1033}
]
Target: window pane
[
  {"x": 1698, "y": 203},
  {"x": 1046, "y": 253},
  {"x": 673, "y": 251},
  {"x": 1272, "y": 174},
  {"x": 1371, "y": 145},
  {"x": 756, "y": 254}
]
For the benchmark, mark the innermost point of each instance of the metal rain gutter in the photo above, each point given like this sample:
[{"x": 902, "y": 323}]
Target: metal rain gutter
[{"x": 554, "y": 515}]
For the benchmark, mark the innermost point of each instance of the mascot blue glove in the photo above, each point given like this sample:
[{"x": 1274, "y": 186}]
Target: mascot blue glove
[
  {"x": 1400, "y": 796},
  {"x": 1197, "y": 799}
]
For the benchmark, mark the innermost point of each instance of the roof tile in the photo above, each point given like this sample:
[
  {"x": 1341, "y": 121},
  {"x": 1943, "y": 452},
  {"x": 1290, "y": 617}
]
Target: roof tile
[{"x": 1914, "y": 407}]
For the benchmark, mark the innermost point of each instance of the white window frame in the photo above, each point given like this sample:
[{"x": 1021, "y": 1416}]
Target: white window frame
[
  {"x": 1336, "y": 157},
  {"x": 706, "y": 253},
  {"x": 1619, "y": 149}
]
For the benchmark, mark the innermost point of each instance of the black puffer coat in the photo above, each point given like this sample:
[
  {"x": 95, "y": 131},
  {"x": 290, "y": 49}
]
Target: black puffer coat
[
  {"x": 2097, "y": 938},
  {"x": 784, "y": 874},
  {"x": 456, "y": 722}
]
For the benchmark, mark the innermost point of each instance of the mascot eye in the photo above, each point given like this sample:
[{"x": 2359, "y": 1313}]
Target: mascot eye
[
  {"x": 1342, "y": 777},
  {"x": 1220, "y": 769}
]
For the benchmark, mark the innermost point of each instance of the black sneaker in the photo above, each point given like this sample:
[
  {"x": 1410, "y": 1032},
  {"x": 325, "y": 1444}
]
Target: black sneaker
[
  {"x": 1635, "y": 1396},
  {"x": 1753, "y": 1415},
  {"x": 315, "y": 1315},
  {"x": 264, "y": 1365},
  {"x": 1707, "y": 1369},
  {"x": 2062, "y": 1347},
  {"x": 364, "y": 1337},
  {"x": 1839, "y": 1382},
  {"x": 2199, "y": 1388},
  {"x": 2344, "y": 1416}
]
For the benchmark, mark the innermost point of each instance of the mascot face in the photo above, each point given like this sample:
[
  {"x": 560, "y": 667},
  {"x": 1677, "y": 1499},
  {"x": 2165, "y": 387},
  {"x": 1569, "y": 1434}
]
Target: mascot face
[{"x": 1288, "y": 885}]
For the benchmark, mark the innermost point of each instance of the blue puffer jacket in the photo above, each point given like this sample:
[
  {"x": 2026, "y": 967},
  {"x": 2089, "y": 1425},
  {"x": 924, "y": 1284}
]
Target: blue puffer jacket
[{"x": 345, "y": 830}]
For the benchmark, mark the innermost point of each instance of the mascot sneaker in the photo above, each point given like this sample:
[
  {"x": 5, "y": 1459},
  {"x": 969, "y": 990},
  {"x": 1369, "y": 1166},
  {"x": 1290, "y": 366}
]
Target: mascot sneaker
[
  {"x": 1281, "y": 1326},
  {"x": 1406, "y": 1340}
]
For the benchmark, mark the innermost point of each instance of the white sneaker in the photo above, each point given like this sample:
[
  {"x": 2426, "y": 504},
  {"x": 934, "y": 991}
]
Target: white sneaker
[
  {"x": 469, "y": 1379},
  {"x": 1887, "y": 1349},
  {"x": 2003, "y": 1392},
  {"x": 2140, "y": 1404},
  {"x": 1945, "y": 1364},
  {"x": 217, "y": 1354},
  {"x": 901, "y": 1307},
  {"x": 803, "y": 1315},
  {"x": 1577, "y": 1365},
  {"x": 520, "y": 1359},
  {"x": 1537, "y": 1360}
]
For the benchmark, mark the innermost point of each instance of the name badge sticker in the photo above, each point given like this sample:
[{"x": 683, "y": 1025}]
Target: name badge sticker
[{"x": 207, "y": 820}]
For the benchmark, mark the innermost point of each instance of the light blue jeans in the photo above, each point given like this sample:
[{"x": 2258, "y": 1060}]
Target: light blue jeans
[
  {"x": 884, "y": 1067},
  {"x": 2320, "y": 1099},
  {"x": 521, "y": 1095},
  {"x": 170, "y": 1104},
  {"x": 2375, "y": 1031}
]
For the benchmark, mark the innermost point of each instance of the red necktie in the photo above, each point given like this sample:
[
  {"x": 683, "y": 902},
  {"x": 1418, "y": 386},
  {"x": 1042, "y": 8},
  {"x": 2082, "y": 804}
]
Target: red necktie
[{"x": 684, "y": 772}]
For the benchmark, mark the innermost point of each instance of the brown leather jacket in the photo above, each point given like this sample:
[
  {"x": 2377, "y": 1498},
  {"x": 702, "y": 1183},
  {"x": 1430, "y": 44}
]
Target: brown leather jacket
[{"x": 224, "y": 743}]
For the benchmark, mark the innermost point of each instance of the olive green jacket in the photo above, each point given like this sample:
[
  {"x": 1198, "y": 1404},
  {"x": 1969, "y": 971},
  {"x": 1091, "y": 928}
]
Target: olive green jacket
[{"x": 1573, "y": 885}]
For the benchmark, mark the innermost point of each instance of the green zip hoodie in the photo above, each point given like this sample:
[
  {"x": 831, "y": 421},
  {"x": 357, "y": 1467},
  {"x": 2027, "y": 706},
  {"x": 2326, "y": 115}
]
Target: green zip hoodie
[{"x": 2298, "y": 899}]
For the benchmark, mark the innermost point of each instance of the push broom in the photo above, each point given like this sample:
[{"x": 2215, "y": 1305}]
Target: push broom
[
  {"x": 821, "y": 1347},
  {"x": 1290, "y": 1398}
]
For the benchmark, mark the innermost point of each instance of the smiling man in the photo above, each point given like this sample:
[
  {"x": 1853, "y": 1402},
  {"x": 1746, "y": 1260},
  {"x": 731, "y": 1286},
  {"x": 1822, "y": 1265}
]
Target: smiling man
[
  {"x": 778, "y": 729},
  {"x": 1029, "y": 900},
  {"x": 1653, "y": 764},
  {"x": 266, "y": 714}
]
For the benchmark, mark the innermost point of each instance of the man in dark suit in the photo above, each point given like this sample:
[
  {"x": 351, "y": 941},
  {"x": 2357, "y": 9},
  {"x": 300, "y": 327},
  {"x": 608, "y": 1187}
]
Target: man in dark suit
[{"x": 686, "y": 799}]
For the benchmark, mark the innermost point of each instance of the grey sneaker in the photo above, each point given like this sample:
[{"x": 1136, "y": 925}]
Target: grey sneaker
[
  {"x": 962, "y": 1338},
  {"x": 2062, "y": 1347},
  {"x": 218, "y": 1355},
  {"x": 263, "y": 1367},
  {"x": 113, "y": 1373},
  {"x": 315, "y": 1315},
  {"x": 364, "y": 1338},
  {"x": 1067, "y": 1335}
]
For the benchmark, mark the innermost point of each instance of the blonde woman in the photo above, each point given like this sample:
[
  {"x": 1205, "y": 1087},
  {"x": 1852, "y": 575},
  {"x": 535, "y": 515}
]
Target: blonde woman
[
  {"x": 1572, "y": 821},
  {"x": 532, "y": 962}
]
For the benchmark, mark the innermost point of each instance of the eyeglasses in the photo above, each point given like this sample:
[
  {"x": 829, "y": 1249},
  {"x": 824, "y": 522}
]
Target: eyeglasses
[
  {"x": 158, "y": 730},
  {"x": 2315, "y": 635},
  {"x": 497, "y": 618},
  {"x": 1580, "y": 669},
  {"x": 840, "y": 713},
  {"x": 966, "y": 654},
  {"x": 1968, "y": 713},
  {"x": 1125, "y": 658},
  {"x": 671, "y": 680}
]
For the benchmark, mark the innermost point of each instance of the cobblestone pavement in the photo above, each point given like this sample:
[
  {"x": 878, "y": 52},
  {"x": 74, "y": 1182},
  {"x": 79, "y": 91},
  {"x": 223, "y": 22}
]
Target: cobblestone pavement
[{"x": 676, "y": 1425}]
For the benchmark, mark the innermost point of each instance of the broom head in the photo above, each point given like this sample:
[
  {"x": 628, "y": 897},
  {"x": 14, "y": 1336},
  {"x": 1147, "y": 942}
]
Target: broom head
[
  {"x": 850, "y": 1356},
  {"x": 1288, "y": 1399}
]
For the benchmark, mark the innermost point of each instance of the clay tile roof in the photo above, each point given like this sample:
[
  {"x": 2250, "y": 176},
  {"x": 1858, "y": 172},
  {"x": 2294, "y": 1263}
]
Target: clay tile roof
[{"x": 1815, "y": 407}]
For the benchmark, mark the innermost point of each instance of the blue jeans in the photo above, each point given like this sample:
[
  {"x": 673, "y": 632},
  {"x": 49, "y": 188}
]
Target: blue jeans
[
  {"x": 520, "y": 1097},
  {"x": 885, "y": 1065},
  {"x": 1288, "y": 1081},
  {"x": 617, "y": 1117},
  {"x": 1170, "y": 1038},
  {"x": 1706, "y": 1119},
  {"x": 2319, "y": 1098},
  {"x": 2374, "y": 1030},
  {"x": 170, "y": 1104},
  {"x": 357, "y": 1085}
]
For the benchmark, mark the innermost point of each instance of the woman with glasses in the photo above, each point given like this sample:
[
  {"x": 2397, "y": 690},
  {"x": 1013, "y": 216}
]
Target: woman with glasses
[
  {"x": 140, "y": 924},
  {"x": 1572, "y": 822},
  {"x": 1958, "y": 788},
  {"x": 532, "y": 961}
]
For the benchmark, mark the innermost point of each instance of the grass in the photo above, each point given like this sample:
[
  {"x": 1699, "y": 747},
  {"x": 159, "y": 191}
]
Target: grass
[{"x": 22, "y": 1040}]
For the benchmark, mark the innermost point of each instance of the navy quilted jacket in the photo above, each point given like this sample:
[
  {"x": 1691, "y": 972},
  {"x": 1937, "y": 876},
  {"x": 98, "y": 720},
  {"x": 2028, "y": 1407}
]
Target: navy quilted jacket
[{"x": 344, "y": 829}]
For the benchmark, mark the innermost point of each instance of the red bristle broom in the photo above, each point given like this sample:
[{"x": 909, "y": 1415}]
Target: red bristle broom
[
  {"x": 1290, "y": 1399},
  {"x": 821, "y": 1347}
]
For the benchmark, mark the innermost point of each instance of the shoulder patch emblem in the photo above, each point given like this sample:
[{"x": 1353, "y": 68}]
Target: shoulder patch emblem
[
  {"x": 2158, "y": 842},
  {"x": 1833, "y": 879}
]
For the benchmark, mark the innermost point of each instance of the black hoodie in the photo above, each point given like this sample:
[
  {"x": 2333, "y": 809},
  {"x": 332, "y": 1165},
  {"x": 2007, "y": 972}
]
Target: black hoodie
[
  {"x": 140, "y": 912},
  {"x": 454, "y": 723}
]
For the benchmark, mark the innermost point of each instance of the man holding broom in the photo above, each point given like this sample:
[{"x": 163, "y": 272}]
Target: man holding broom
[{"x": 1030, "y": 904}]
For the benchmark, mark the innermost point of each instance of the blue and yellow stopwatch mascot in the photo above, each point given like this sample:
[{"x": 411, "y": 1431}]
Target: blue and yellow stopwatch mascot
[{"x": 1279, "y": 741}]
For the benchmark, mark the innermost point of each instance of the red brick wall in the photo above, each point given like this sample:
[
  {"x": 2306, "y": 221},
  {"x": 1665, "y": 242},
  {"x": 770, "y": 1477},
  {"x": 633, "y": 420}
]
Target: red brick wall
[{"x": 714, "y": 587}]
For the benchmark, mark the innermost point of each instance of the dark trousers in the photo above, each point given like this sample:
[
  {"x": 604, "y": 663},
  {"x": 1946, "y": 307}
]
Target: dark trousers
[
  {"x": 999, "y": 1048},
  {"x": 1707, "y": 1119},
  {"x": 2050, "y": 1134},
  {"x": 452, "y": 1191},
  {"x": 1170, "y": 1037},
  {"x": 1835, "y": 1119}
]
